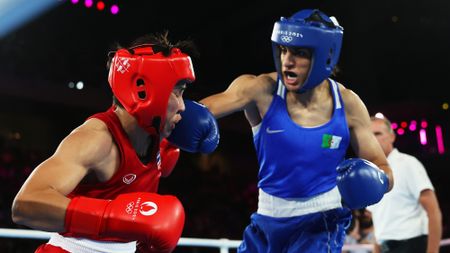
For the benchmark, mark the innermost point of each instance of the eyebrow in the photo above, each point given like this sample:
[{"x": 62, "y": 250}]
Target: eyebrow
[{"x": 181, "y": 86}]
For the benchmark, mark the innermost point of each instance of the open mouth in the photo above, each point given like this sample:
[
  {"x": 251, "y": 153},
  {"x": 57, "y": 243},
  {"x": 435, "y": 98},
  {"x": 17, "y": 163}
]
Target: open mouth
[
  {"x": 173, "y": 125},
  {"x": 290, "y": 77}
]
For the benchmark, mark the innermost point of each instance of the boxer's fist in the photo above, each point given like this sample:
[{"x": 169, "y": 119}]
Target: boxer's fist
[
  {"x": 154, "y": 219},
  {"x": 169, "y": 156},
  {"x": 197, "y": 130},
  {"x": 361, "y": 183}
]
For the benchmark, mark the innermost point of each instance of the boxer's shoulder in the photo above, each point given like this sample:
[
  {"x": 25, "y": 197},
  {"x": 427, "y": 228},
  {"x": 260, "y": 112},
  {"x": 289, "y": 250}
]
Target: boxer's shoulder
[
  {"x": 255, "y": 87},
  {"x": 91, "y": 139}
]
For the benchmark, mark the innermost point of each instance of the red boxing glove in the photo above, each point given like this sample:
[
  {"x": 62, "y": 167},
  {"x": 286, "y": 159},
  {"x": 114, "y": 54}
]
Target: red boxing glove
[
  {"x": 169, "y": 157},
  {"x": 154, "y": 219}
]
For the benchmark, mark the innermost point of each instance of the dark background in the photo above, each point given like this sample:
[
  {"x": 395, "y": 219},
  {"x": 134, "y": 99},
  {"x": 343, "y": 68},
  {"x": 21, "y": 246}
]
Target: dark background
[{"x": 394, "y": 56}]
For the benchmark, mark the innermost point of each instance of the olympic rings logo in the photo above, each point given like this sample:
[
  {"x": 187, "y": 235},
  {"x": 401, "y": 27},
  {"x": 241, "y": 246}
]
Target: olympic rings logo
[
  {"x": 129, "y": 208},
  {"x": 286, "y": 39}
]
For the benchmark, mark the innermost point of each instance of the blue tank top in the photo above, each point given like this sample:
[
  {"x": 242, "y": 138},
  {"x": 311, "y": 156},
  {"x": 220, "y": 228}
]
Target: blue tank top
[{"x": 296, "y": 161}]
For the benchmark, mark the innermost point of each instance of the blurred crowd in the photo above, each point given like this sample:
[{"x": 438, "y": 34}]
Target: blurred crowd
[
  {"x": 360, "y": 231},
  {"x": 16, "y": 163}
]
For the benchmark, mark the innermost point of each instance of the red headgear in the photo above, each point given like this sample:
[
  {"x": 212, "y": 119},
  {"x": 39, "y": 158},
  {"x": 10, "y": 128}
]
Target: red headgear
[{"x": 142, "y": 81}]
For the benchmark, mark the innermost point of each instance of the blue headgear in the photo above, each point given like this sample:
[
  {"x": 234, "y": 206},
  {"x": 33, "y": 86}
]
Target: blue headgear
[{"x": 314, "y": 30}]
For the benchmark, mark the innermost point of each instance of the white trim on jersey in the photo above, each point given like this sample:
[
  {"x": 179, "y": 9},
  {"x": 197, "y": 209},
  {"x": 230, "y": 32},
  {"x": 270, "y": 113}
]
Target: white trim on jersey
[
  {"x": 273, "y": 206},
  {"x": 337, "y": 101},
  {"x": 81, "y": 245},
  {"x": 256, "y": 128},
  {"x": 281, "y": 91}
]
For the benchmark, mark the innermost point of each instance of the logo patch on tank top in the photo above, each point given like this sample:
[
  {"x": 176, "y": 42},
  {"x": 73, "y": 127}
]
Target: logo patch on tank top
[
  {"x": 272, "y": 131},
  {"x": 331, "y": 141},
  {"x": 129, "y": 178}
]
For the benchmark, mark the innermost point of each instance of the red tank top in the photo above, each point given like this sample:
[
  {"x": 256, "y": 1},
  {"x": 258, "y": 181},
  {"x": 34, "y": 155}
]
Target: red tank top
[{"x": 131, "y": 176}]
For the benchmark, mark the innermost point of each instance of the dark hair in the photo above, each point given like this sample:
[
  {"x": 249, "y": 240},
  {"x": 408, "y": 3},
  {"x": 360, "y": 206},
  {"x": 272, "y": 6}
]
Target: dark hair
[
  {"x": 161, "y": 43},
  {"x": 316, "y": 17},
  {"x": 116, "y": 102},
  {"x": 336, "y": 71}
]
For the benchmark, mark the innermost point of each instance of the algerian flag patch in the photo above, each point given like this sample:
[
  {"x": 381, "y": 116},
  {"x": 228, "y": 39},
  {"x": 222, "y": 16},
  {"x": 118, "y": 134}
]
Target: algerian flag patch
[{"x": 331, "y": 141}]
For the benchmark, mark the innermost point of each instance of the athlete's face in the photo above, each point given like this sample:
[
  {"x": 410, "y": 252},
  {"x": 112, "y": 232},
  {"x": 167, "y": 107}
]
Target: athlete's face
[
  {"x": 295, "y": 64},
  {"x": 174, "y": 108}
]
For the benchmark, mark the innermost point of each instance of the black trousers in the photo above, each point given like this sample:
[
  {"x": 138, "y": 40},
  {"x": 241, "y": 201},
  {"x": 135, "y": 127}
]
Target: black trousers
[{"x": 414, "y": 245}]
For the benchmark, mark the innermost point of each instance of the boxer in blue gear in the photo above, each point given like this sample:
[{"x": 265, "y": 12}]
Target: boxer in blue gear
[{"x": 303, "y": 123}]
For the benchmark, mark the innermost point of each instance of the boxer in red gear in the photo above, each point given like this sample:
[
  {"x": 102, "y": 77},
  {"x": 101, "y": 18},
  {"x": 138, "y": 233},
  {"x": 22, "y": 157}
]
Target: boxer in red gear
[{"x": 98, "y": 190}]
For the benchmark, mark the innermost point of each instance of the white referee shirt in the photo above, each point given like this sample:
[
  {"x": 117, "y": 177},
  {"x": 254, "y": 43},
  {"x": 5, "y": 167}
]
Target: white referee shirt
[{"x": 399, "y": 215}]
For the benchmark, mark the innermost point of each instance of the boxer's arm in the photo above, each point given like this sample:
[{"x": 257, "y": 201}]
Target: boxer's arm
[
  {"x": 363, "y": 141},
  {"x": 243, "y": 91},
  {"x": 41, "y": 202}
]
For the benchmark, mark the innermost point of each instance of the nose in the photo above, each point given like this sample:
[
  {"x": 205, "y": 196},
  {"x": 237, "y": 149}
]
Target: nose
[
  {"x": 288, "y": 59},
  {"x": 181, "y": 105}
]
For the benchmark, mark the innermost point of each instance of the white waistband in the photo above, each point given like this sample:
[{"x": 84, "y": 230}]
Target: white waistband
[
  {"x": 278, "y": 207},
  {"x": 81, "y": 245}
]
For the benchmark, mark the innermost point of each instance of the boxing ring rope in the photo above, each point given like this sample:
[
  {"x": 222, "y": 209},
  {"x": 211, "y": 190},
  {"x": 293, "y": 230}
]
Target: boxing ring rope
[{"x": 223, "y": 244}]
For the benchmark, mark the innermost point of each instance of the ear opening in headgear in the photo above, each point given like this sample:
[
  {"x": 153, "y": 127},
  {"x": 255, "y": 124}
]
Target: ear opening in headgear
[
  {"x": 330, "y": 55},
  {"x": 140, "y": 83}
]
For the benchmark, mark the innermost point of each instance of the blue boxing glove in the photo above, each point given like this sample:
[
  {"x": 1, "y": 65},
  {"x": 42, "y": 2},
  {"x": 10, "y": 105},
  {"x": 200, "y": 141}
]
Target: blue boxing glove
[
  {"x": 361, "y": 183},
  {"x": 197, "y": 130}
]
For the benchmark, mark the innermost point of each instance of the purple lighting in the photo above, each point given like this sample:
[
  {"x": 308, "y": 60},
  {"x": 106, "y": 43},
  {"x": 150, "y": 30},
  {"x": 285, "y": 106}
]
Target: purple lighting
[
  {"x": 88, "y": 3},
  {"x": 394, "y": 125},
  {"x": 439, "y": 140},
  {"x": 74, "y": 1},
  {"x": 114, "y": 9},
  {"x": 423, "y": 136},
  {"x": 413, "y": 125}
]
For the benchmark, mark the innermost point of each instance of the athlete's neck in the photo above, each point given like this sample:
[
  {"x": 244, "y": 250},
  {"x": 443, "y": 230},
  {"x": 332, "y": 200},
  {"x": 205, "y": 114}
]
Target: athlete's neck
[
  {"x": 312, "y": 96},
  {"x": 138, "y": 137}
]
